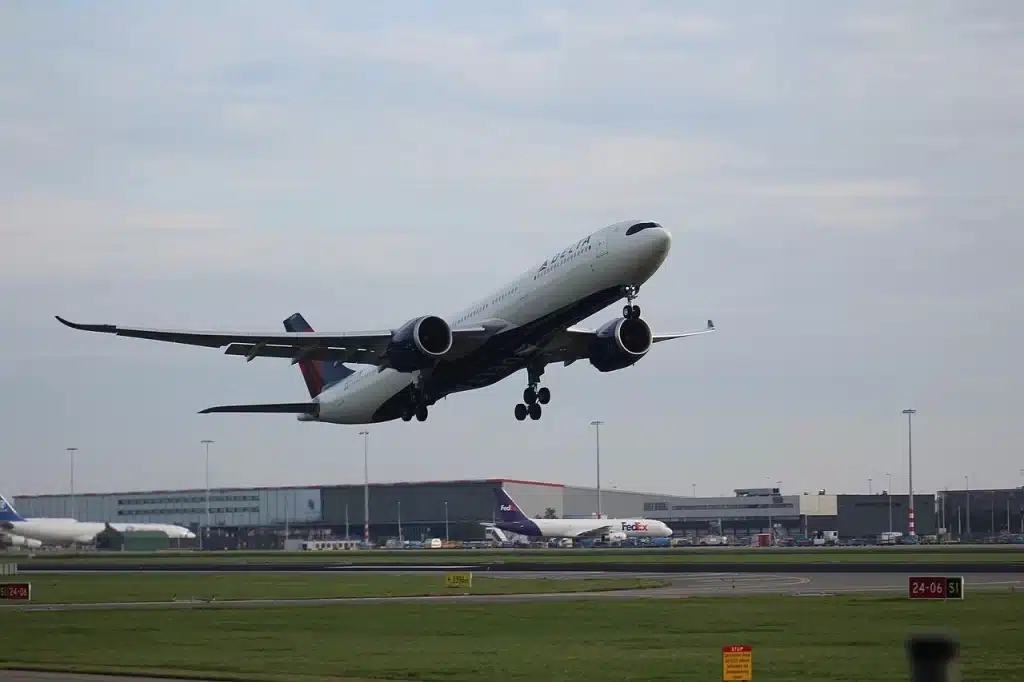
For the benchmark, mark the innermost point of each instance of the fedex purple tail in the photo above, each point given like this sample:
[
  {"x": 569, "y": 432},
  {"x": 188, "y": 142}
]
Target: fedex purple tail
[
  {"x": 508, "y": 510},
  {"x": 318, "y": 374}
]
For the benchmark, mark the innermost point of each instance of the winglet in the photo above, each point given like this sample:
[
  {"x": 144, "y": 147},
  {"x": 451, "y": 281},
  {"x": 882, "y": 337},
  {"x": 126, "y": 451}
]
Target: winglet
[
  {"x": 711, "y": 325},
  {"x": 107, "y": 328}
]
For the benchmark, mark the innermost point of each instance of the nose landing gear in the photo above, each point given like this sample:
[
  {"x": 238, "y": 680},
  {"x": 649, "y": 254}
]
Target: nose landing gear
[{"x": 630, "y": 311}]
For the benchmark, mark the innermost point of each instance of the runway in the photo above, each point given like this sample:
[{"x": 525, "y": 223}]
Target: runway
[
  {"x": 681, "y": 587},
  {"x": 622, "y": 568}
]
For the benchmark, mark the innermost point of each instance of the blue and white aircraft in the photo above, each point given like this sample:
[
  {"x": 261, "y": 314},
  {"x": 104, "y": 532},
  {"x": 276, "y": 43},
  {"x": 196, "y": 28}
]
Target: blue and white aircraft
[
  {"x": 35, "y": 532},
  {"x": 526, "y": 324}
]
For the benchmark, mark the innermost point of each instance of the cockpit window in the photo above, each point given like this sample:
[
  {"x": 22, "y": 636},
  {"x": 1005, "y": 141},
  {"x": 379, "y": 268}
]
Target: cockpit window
[{"x": 640, "y": 226}]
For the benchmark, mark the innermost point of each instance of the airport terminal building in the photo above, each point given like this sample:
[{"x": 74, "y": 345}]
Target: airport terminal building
[{"x": 454, "y": 509}]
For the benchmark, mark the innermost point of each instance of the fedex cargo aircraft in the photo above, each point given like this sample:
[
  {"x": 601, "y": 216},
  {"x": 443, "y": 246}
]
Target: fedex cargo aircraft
[
  {"x": 513, "y": 520},
  {"x": 526, "y": 324}
]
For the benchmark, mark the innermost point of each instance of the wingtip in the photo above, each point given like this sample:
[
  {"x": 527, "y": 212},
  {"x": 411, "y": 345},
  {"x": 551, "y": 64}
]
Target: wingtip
[
  {"x": 108, "y": 328},
  {"x": 711, "y": 325}
]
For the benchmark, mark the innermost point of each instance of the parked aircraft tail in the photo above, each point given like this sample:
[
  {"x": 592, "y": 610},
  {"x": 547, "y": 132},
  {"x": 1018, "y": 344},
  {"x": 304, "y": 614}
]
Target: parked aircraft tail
[
  {"x": 318, "y": 374},
  {"x": 507, "y": 507},
  {"x": 7, "y": 512}
]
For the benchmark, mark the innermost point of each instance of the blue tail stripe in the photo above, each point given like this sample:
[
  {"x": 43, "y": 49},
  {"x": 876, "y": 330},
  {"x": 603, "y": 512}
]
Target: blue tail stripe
[{"x": 7, "y": 512}]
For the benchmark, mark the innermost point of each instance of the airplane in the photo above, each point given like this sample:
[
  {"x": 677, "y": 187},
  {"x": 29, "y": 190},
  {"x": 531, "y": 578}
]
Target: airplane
[
  {"x": 527, "y": 324},
  {"x": 513, "y": 520},
  {"x": 63, "y": 531}
]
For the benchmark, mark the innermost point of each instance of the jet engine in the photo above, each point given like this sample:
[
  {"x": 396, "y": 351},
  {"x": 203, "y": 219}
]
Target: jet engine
[
  {"x": 19, "y": 541},
  {"x": 418, "y": 343},
  {"x": 620, "y": 343}
]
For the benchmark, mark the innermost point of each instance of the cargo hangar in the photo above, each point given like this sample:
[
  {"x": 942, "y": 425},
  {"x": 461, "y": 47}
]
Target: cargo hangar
[{"x": 455, "y": 509}]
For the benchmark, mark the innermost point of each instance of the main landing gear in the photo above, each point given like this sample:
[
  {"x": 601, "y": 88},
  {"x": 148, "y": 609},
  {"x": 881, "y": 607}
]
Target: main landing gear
[
  {"x": 417, "y": 405},
  {"x": 630, "y": 311},
  {"x": 533, "y": 397}
]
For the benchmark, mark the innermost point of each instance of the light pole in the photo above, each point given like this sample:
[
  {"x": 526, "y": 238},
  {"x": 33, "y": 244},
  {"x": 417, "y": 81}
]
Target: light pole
[
  {"x": 71, "y": 454},
  {"x": 446, "y": 538},
  {"x": 206, "y": 442},
  {"x": 366, "y": 487},
  {"x": 597, "y": 431},
  {"x": 889, "y": 491},
  {"x": 967, "y": 495},
  {"x": 694, "y": 486},
  {"x": 910, "y": 476},
  {"x": 869, "y": 487}
]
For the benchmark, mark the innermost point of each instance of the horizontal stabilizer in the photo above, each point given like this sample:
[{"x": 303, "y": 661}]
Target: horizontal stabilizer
[{"x": 311, "y": 409}]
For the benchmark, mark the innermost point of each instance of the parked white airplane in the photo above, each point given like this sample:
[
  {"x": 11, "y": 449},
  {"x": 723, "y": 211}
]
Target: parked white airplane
[
  {"x": 513, "y": 520},
  {"x": 526, "y": 324},
  {"x": 66, "y": 531}
]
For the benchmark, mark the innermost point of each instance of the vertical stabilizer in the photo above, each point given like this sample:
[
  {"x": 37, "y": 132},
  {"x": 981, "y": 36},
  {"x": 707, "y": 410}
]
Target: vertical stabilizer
[
  {"x": 7, "y": 512},
  {"x": 508, "y": 510},
  {"x": 317, "y": 374}
]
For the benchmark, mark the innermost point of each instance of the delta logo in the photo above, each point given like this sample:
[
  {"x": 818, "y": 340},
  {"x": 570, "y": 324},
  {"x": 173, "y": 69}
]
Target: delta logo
[
  {"x": 508, "y": 507},
  {"x": 634, "y": 527}
]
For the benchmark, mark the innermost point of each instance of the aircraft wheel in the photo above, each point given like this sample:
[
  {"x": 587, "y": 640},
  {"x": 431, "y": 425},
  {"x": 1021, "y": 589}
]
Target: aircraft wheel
[
  {"x": 544, "y": 395},
  {"x": 627, "y": 311},
  {"x": 421, "y": 413},
  {"x": 521, "y": 411},
  {"x": 406, "y": 416},
  {"x": 535, "y": 411},
  {"x": 530, "y": 395}
]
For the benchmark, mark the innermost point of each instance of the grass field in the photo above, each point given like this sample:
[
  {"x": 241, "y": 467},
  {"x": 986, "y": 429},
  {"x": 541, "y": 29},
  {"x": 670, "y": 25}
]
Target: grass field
[
  {"x": 794, "y": 639},
  {"x": 94, "y": 588},
  {"x": 897, "y": 554}
]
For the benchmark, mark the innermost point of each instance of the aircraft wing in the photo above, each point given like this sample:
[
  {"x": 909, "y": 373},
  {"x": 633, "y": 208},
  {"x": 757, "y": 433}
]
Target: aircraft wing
[
  {"x": 593, "y": 532},
  {"x": 572, "y": 344},
  {"x": 365, "y": 347}
]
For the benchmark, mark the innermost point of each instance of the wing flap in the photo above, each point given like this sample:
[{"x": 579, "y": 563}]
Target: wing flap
[
  {"x": 593, "y": 532},
  {"x": 311, "y": 409},
  {"x": 363, "y": 356}
]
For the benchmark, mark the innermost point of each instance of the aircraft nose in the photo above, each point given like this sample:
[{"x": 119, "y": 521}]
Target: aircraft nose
[{"x": 661, "y": 241}]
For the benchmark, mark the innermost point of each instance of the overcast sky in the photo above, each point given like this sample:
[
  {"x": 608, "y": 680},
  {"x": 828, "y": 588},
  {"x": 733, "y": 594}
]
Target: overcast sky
[{"x": 842, "y": 181}]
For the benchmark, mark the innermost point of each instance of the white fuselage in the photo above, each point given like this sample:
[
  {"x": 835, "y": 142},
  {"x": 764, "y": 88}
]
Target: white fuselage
[
  {"x": 605, "y": 259},
  {"x": 630, "y": 528},
  {"x": 67, "y": 531}
]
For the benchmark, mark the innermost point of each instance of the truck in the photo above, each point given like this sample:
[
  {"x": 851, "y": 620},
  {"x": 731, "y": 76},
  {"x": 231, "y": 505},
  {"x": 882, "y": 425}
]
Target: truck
[{"x": 825, "y": 538}]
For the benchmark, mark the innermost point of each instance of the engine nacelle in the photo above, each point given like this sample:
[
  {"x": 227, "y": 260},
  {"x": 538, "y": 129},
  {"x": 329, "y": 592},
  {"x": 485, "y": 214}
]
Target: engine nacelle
[
  {"x": 19, "y": 541},
  {"x": 418, "y": 343},
  {"x": 619, "y": 344}
]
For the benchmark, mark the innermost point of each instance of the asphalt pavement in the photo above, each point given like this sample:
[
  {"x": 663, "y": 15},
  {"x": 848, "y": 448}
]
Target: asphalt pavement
[{"x": 681, "y": 587}]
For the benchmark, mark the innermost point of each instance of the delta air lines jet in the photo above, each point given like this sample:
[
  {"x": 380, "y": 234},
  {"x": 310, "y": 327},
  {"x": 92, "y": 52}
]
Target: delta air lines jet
[
  {"x": 513, "y": 520},
  {"x": 526, "y": 324}
]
